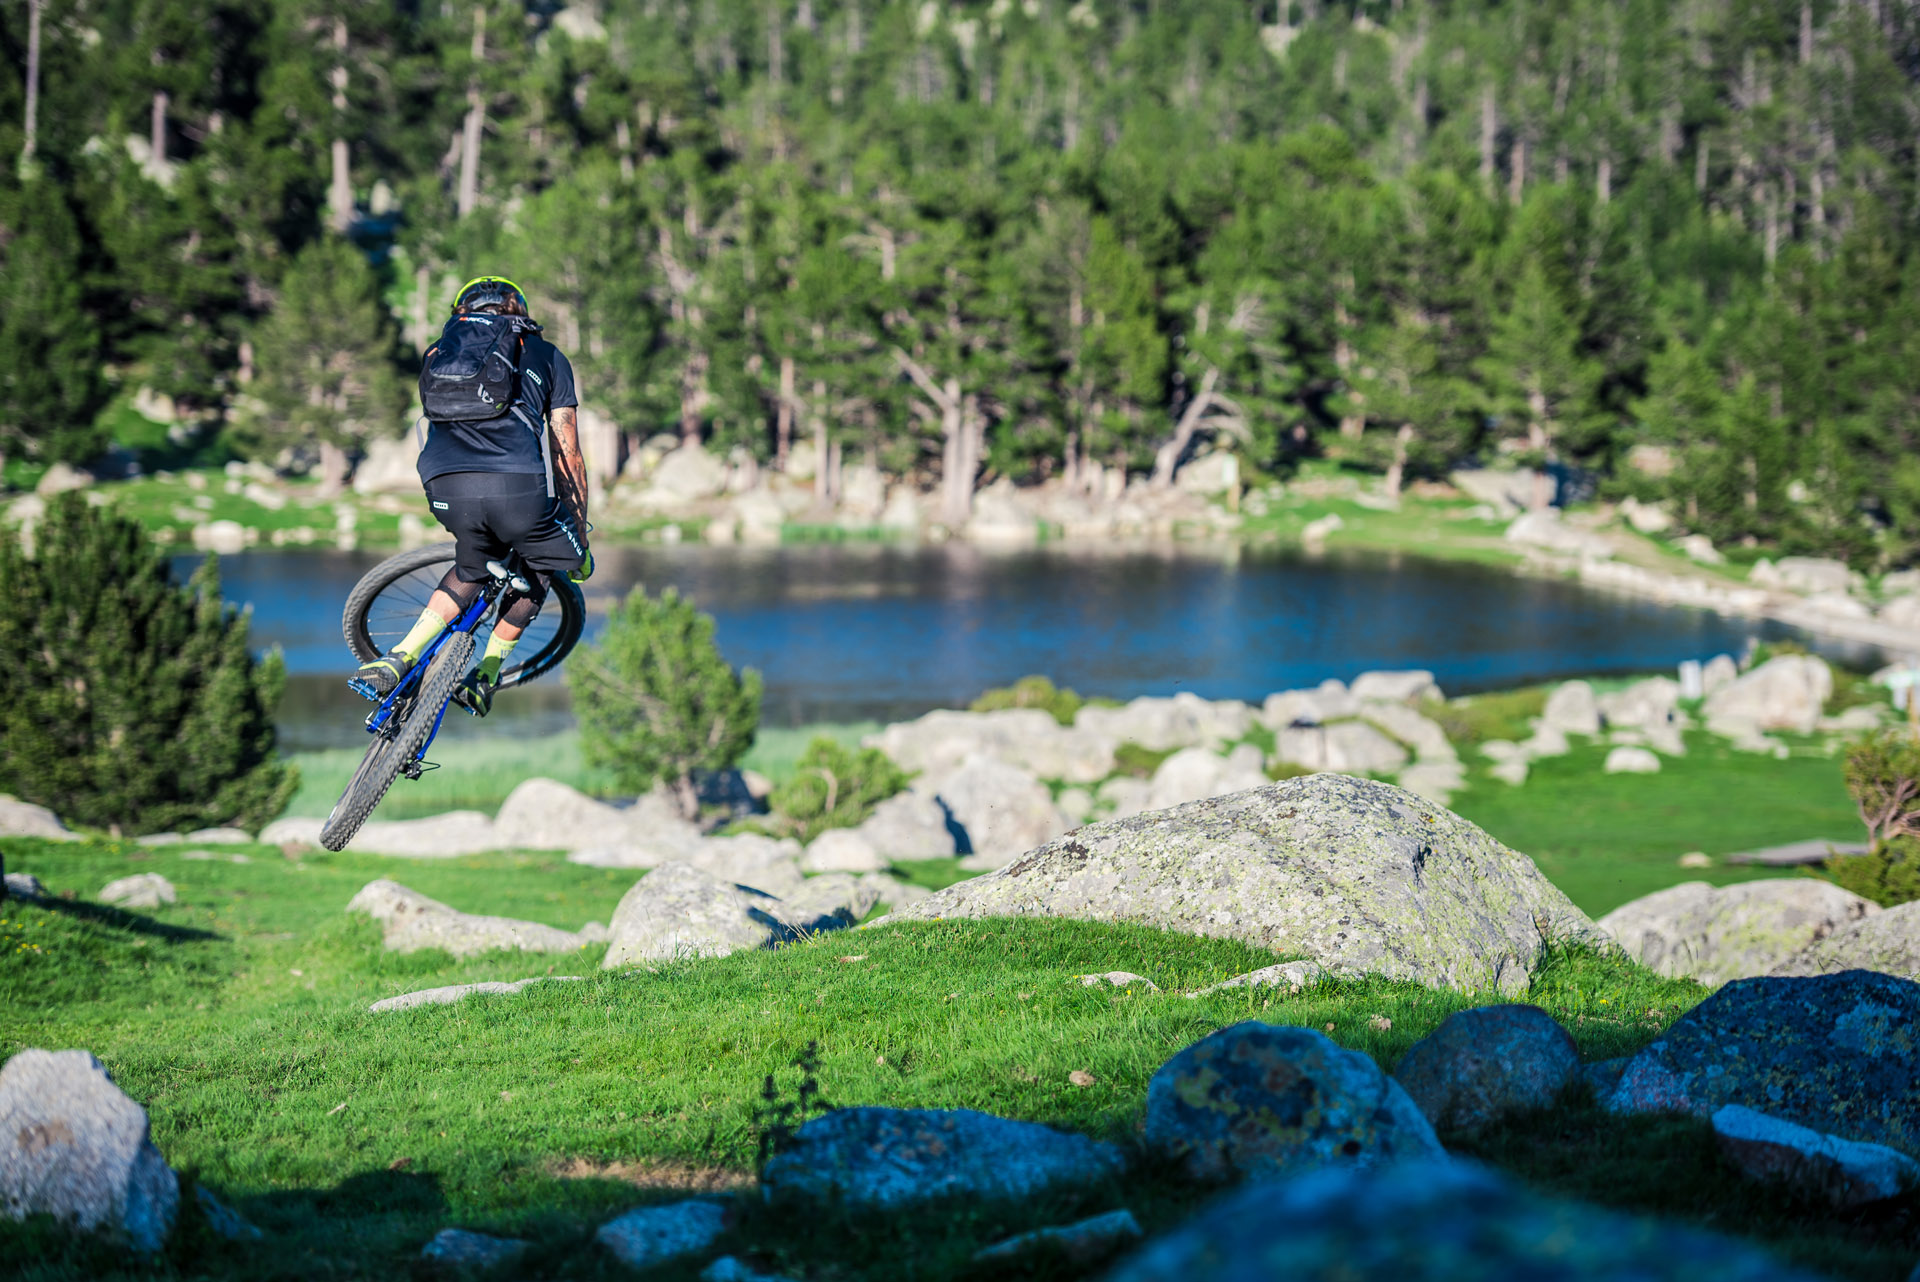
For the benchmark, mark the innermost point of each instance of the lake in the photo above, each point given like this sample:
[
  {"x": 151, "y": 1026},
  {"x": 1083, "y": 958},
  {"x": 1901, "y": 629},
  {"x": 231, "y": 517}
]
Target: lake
[{"x": 851, "y": 631}]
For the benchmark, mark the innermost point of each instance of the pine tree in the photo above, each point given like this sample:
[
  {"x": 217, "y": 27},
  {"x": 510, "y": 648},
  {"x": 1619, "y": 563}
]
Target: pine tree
[
  {"x": 50, "y": 386},
  {"x": 657, "y": 702},
  {"x": 1536, "y": 378},
  {"x": 128, "y": 698},
  {"x": 325, "y": 355}
]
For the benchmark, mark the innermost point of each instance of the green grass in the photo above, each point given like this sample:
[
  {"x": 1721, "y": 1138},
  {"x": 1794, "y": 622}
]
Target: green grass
[
  {"x": 238, "y": 1018},
  {"x": 1605, "y": 839},
  {"x": 477, "y": 774}
]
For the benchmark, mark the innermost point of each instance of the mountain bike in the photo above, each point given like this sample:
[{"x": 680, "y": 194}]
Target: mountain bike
[{"x": 381, "y": 609}]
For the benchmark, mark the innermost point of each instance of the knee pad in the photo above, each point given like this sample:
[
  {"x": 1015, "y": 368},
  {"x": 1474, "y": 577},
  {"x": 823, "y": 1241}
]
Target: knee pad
[
  {"x": 524, "y": 610},
  {"x": 458, "y": 588}
]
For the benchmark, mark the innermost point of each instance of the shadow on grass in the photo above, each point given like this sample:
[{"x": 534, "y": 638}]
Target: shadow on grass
[{"x": 119, "y": 919}]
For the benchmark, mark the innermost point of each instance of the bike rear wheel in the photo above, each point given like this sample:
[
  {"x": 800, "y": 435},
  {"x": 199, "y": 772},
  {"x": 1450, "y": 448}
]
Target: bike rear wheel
[
  {"x": 388, "y": 599},
  {"x": 389, "y": 754}
]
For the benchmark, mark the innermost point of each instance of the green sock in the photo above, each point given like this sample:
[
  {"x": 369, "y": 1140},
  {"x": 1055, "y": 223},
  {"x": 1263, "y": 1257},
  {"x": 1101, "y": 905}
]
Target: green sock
[
  {"x": 498, "y": 648},
  {"x": 429, "y": 626}
]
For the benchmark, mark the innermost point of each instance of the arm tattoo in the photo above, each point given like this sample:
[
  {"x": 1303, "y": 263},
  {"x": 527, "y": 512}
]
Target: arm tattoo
[{"x": 571, "y": 474}]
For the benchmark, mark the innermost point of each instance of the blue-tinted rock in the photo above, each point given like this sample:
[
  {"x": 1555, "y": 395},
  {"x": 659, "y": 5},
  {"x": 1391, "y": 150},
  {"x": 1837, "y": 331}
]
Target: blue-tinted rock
[
  {"x": 873, "y": 1159},
  {"x": 459, "y": 1250},
  {"x": 223, "y": 1219},
  {"x": 1483, "y": 1064},
  {"x": 1837, "y": 1053},
  {"x": 651, "y": 1235},
  {"x": 1432, "y": 1222},
  {"x": 1264, "y": 1100}
]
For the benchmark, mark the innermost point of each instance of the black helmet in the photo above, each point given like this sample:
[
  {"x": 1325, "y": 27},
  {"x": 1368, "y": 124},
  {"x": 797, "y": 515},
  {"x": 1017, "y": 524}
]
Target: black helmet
[{"x": 489, "y": 294}]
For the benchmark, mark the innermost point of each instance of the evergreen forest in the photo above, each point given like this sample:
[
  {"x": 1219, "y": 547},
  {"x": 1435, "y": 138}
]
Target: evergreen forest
[{"x": 1659, "y": 247}]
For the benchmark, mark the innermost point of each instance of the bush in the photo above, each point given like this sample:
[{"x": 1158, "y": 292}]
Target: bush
[
  {"x": 1889, "y": 876},
  {"x": 655, "y": 700},
  {"x": 1883, "y": 777},
  {"x": 1032, "y": 692},
  {"x": 835, "y": 787},
  {"x": 126, "y": 698}
]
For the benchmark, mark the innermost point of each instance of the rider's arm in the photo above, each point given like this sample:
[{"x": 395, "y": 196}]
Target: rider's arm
[{"x": 570, "y": 470}]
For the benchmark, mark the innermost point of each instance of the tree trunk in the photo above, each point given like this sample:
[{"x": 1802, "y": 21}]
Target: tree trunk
[
  {"x": 1070, "y": 462},
  {"x": 783, "y": 416},
  {"x": 332, "y": 469},
  {"x": 1806, "y": 32},
  {"x": 157, "y": 134},
  {"x": 1517, "y": 178},
  {"x": 476, "y": 117},
  {"x": 958, "y": 480},
  {"x": 822, "y": 486},
  {"x": 833, "y": 469},
  {"x": 1397, "y": 469},
  {"x": 1489, "y": 133},
  {"x": 776, "y": 47},
  {"x": 340, "y": 192},
  {"x": 686, "y": 796},
  {"x": 693, "y": 396},
  {"x": 1603, "y": 182},
  {"x": 1541, "y": 444},
  {"x": 1351, "y": 425},
  {"x": 1166, "y": 459},
  {"x": 33, "y": 79},
  {"x": 422, "y": 311}
]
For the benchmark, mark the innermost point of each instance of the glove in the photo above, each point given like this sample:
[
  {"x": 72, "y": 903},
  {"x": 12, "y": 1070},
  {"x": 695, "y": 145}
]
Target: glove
[{"x": 585, "y": 571}]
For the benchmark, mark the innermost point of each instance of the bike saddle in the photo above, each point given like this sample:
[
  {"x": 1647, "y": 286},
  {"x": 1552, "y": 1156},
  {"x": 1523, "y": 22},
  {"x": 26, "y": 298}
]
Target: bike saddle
[{"x": 515, "y": 581}]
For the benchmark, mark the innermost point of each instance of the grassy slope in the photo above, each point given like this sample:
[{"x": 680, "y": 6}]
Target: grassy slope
[
  {"x": 1606, "y": 839},
  {"x": 238, "y": 1017}
]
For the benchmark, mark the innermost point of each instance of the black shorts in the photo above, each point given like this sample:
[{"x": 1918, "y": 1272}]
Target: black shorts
[{"x": 492, "y": 513}]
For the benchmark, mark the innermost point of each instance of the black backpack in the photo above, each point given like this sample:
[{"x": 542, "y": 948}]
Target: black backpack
[{"x": 473, "y": 373}]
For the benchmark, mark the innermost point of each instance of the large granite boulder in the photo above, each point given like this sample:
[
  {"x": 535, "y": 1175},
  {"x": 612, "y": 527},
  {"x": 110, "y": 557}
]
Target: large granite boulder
[
  {"x": 1487, "y": 1063},
  {"x": 141, "y": 891},
  {"x": 1572, "y": 709},
  {"x": 1183, "y": 721},
  {"x": 1194, "y": 774},
  {"x": 1717, "y": 933},
  {"x": 24, "y": 819},
  {"x": 890, "y": 1159},
  {"x": 941, "y": 742},
  {"x": 1349, "y": 747},
  {"x": 1403, "y": 685},
  {"x": 1433, "y": 1222},
  {"x": 649, "y": 1236},
  {"x": 1422, "y": 734},
  {"x": 1642, "y": 705},
  {"x": 74, "y": 1146},
  {"x": 1836, "y": 1053},
  {"x": 1886, "y": 941},
  {"x": 1784, "y": 693},
  {"x": 410, "y": 922},
  {"x": 545, "y": 814},
  {"x": 912, "y": 825},
  {"x": 767, "y": 864},
  {"x": 1004, "y": 811},
  {"x": 1361, "y": 877},
  {"x": 1329, "y": 701},
  {"x": 1265, "y": 1101},
  {"x": 678, "y": 910},
  {"x": 1845, "y": 1172}
]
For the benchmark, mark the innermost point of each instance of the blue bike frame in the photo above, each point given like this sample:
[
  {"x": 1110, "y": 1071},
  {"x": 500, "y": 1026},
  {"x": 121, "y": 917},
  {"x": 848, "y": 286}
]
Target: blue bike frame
[{"x": 378, "y": 718}]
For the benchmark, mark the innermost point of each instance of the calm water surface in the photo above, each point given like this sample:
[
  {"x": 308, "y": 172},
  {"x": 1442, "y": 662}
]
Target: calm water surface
[{"x": 846, "y": 632}]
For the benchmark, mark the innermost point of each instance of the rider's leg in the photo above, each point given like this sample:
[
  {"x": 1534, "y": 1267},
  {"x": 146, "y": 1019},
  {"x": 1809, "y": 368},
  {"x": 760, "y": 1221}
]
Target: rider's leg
[
  {"x": 446, "y": 604},
  {"x": 476, "y": 692}
]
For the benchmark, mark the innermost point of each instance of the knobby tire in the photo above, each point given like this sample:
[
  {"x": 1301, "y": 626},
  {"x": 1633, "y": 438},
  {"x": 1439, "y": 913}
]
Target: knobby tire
[
  {"x": 563, "y": 594},
  {"x": 387, "y": 756}
]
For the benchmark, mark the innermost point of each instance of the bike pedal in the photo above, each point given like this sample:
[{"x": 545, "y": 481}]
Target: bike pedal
[{"x": 363, "y": 688}]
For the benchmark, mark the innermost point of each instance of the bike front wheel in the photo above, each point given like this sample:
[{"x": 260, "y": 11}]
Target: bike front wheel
[
  {"x": 388, "y": 599},
  {"x": 390, "y": 753}
]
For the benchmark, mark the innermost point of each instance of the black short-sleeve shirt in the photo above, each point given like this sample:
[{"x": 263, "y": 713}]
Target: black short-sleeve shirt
[{"x": 512, "y": 442}]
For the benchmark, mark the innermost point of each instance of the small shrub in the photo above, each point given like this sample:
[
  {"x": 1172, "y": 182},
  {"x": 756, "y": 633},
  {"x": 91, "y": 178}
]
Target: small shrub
[
  {"x": 1889, "y": 875},
  {"x": 1883, "y": 777},
  {"x": 125, "y": 697},
  {"x": 656, "y": 701},
  {"x": 1032, "y": 692},
  {"x": 834, "y": 787},
  {"x": 1483, "y": 717},
  {"x": 1138, "y": 760}
]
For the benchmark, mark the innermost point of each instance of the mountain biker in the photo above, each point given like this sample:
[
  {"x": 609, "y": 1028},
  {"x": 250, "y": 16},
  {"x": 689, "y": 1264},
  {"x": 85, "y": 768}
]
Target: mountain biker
[{"x": 500, "y": 485}]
